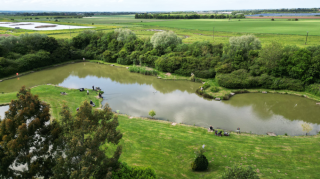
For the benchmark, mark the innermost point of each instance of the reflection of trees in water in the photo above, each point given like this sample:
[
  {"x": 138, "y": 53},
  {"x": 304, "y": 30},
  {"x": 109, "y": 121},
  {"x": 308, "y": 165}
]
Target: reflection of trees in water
[
  {"x": 123, "y": 76},
  {"x": 83, "y": 70},
  {"x": 289, "y": 106}
]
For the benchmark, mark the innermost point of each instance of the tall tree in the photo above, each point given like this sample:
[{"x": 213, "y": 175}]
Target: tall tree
[
  {"x": 27, "y": 138},
  {"x": 82, "y": 137}
]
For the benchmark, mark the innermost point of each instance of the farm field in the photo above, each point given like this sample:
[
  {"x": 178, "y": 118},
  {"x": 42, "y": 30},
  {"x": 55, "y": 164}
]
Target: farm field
[
  {"x": 280, "y": 30},
  {"x": 279, "y": 26}
]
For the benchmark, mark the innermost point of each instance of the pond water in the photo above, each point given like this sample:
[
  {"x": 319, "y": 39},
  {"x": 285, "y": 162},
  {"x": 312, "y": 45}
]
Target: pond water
[
  {"x": 32, "y": 25},
  {"x": 176, "y": 101},
  {"x": 3, "y": 109}
]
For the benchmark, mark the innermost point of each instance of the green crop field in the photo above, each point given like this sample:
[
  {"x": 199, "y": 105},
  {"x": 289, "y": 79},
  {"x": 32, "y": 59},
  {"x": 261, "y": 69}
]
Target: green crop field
[
  {"x": 192, "y": 30},
  {"x": 279, "y": 26}
]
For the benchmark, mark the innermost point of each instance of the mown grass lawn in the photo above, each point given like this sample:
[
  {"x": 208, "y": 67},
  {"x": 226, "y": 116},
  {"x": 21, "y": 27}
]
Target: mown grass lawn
[
  {"x": 170, "y": 149},
  {"x": 51, "y": 95}
]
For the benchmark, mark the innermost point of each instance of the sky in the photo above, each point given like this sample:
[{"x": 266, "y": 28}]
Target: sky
[{"x": 152, "y": 5}]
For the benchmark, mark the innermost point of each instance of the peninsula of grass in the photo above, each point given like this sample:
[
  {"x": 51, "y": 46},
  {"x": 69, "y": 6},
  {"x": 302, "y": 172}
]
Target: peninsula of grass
[
  {"x": 51, "y": 95},
  {"x": 222, "y": 92},
  {"x": 170, "y": 149}
]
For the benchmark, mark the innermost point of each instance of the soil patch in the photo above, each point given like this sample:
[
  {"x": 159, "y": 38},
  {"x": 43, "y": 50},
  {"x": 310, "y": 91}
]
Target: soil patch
[
  {"x": 5, "y": 35},
  {"x": 155, "y": 30},
  {"x": 284, "y": 17}
]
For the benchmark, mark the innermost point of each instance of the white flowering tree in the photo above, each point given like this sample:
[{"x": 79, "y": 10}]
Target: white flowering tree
[{"x": 165, "y": 38}]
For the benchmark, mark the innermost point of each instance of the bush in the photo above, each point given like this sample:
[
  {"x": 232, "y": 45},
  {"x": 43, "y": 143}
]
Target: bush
[
  {"x": 242, "y": 79},
  {"x": 127, "y": 172},
  {"x": 109, "y": 56},
  {"x": 200, "y": 163},
  {"x": 238, "y": 172},
  {"x": 142, "y": 70},
  {"x": 214, "y": 89},
  {"x": 314, "y": 89}
]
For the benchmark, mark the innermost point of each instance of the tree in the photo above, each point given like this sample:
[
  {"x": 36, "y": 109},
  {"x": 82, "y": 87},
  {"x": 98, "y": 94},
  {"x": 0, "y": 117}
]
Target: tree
[
  {"x": 82, "y": 136},
  {"x": 27, "y": 138},
  {"x": 271, "y": 55},
  {"x": 244, "y": 43},
  {"x": 165, "y": 39},
  {"x": 152, "y": 113},
  {"x": 125, "y": 35}
]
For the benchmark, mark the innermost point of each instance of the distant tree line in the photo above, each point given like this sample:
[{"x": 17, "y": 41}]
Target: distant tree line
[
  {"x": 187, "y": 16},
  {"x": 268, "y": 11}
]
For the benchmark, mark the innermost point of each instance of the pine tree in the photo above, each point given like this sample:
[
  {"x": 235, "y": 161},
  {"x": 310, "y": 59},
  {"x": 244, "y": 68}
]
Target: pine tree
[
  {"x": 82, "y": 137},
  {"x": 27, "y": 138}
]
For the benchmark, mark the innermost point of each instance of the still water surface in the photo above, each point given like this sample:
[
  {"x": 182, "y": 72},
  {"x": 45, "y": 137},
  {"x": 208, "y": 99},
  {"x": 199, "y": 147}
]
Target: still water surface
[{"x": 136, "y": 95}]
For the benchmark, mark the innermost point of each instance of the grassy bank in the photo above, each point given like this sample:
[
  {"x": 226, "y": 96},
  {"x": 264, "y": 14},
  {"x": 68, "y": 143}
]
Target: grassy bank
[
  {"x": 51, "y": 94},
  {"x": 225, "y": 91},
  {"x": 170, "y": 149}
]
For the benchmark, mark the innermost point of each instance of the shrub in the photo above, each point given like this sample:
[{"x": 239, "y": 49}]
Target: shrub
[
  {"x": 314, "y": 89},
  {"x": 242, "y": 79},
  {"x": 142, "y": 70},
  {"x": 214, "y": 89},
  {"x": 201, "y": 162},
  {"x": 109, "y": 56},
  {"x": 238, "y": 172},
  {"x": 152, "y": 113},
  {"x": 127, "y": 172}
]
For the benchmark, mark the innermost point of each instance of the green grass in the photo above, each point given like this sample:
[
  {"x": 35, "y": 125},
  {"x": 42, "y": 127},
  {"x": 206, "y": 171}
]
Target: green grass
[
  {"x": 170, "y": 149},
  {"x": 51, "y": 94},
  {"x": 279, "y": 26}
]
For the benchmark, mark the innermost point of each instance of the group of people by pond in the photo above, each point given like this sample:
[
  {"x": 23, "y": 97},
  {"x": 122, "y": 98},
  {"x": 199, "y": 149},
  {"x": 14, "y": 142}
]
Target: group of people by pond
[
  {"x": 218, "y": 133},
  {"x": 97, "y": 89}
]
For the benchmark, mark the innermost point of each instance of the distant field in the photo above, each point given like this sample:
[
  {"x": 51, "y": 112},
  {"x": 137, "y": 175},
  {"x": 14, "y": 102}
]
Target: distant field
[
  {"x": 279, "y": 26},
  {"x": 280, "y": 30},
  {"x": 114, "y": 19}
]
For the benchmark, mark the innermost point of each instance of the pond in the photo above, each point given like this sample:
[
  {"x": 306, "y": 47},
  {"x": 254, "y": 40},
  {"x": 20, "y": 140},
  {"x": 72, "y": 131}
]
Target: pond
[
  {"x": 176, "y": 101},
  {"x": 3, "y": 109},
  {"x": 39, "y": 26}
]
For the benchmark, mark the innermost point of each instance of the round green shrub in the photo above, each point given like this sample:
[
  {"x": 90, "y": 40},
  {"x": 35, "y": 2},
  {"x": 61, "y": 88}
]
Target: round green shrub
[
  {"x": 238, "y": 172},
  {"x": 200, "y": 163},
  {"x": 214, "y": 89}
]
